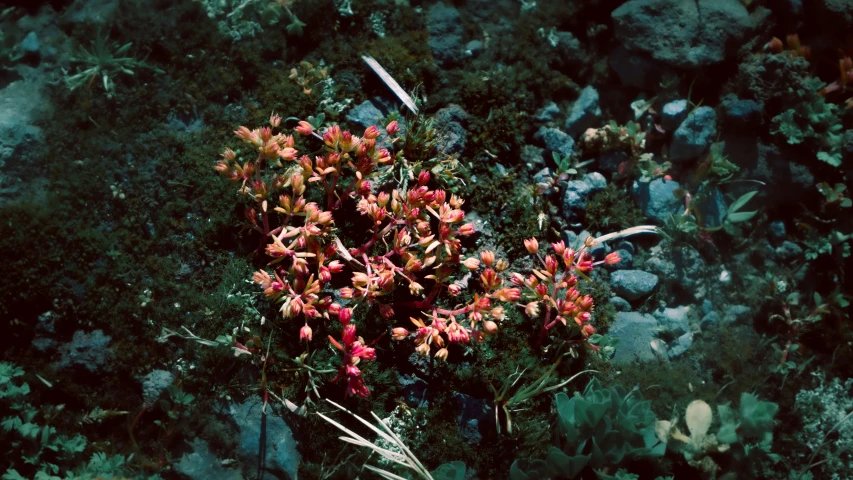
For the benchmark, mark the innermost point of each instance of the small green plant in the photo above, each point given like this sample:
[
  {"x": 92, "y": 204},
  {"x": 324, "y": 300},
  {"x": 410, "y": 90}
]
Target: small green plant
[
  {"x": 104, "y": 60},
  {"x": 600, "y": 428},
  {"x": 835, "y": 195},
  {"x": 745, "y": 435},
  {"x": 32, "y": 443}
]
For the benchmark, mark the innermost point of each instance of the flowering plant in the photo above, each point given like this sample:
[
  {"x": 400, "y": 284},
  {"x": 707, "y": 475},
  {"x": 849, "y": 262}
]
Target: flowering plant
[{"x": 414, "y": 241}]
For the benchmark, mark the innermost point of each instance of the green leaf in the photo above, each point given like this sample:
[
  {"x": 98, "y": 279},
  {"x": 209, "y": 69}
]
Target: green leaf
[
  {"x": 846, "y": 203},
  {"x": 449, "y": 471},
  {"x": 740, "y": 202},
  {"x": 738, "y": 217},
  {"x": 830, "y": 158},
  {"x": 756, "y": 415},
  {"x": 565, "y": 465},
  {"x": 29, "y": 430},
  {"x": 527, "y": 470}
]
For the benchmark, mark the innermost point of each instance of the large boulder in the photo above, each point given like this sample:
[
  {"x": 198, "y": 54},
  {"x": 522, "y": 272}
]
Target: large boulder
[{"x": 682, "y": 33}]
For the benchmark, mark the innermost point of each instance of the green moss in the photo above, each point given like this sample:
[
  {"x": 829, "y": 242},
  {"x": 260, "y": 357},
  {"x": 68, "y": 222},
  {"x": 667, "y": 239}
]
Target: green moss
[{"x": 611, "y": 210}]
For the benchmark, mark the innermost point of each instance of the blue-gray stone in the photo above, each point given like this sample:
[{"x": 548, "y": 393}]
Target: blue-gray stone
[
  {"x": 707, "y": 306},
  {"x": 577, "y": 193},
  {"x": 710, "y": 319},
  {"x": 656, "y": 199},
  {"x": 474, "y": 47},
  {"x": 633, "y": 284},
  {"x": 548, "y": 112},
  {"x": 471, "y": 414},
  {"x": 680, "y": 345},
  {"x": 531, "y": 156},
  {"x": 280, "y": 457},
  {"x": 88, "y": 350},
  {"x": 202, "y": 464},
  {"x": 741, "y": 114},
  {"x": 556, "y": 140},
  {"x": 620, "y": 304},
  {"x": 695, "y": 134},
  {"x": 776, "y": 232},
  {"x": 635, "y": 332},
  {"x": 444, "y": 25},
  {"x": 154, "y": 383},
  {"x": 789, "y": 251},
  {"x": 737, "y": 314},
  {"x": 674, "y": 320},
  {"x": 365, "y": 114},
  {"x": 598, "y": 250},
  {"x": 414, "y": 391},
  {"x": 609, "y": 161},
  {"x": 585, "y": 112},
  {"x": 625, "y": 245},
  {"x": 682, "y": 33},
  {"x": 712, "y": 208},
  {"x": 672, "y": 114},
  {"x": 30, "y": 43}
]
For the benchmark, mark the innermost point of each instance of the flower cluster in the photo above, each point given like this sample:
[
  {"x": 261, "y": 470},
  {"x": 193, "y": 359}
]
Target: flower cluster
[
  {"x": 479, "y": 317},
  {"x": 354, "y": 350},
  {"x": 552, "y": 289}
]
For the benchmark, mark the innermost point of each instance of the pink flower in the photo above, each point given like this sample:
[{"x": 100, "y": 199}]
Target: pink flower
[{"x": 305, "y": 333}]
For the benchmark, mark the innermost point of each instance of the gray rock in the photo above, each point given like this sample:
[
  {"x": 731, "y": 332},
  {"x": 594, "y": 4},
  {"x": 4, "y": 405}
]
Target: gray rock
[
  {"x": 280, "y": 457},
  {"x": 741, "y": 114},
  {"x": 695, "y": 134},
  {"x": 636, "y": 69},
  {"x": 453, "y": 138},
  {"x": 44, "y": 344},
  {"x": 201, "y": 464},
  {"x": 471, "y": 415},
  {"x": 153, "y": 385},
  {"x": 88, "y": 350},
  {"x": 656, "y": 199},
  {"x": 633, "y": 284},
  {"x": 444, "y": 25},
  {"x": 672, "y": 114},
  {"x": 690, "y": 268},
  {"x": 96, "y": 12},
  {"x": 577, "y": 192},
  {"x": 635, "y": 332},
  {"x": 626, "y": 245},
  {"x": 365, "y": 114},
  {"x": 542, "y": 176},
  {"x": 674, "y": 320},
  {"x": 474, "y": 47},
  {"x": 30, "y": 43},
  {"x": 585, "y": 112},
  {"x": 710, "y": 319},
  {"x": 609, "y": 161},
  {"x": 737, "y": 314},
  {"x": 414, "y": 391},
  {"x": 556, "y": 140},
  {"x": 789, "y": 251},
  {"x": 598, "y": 250},
  {"x": 661, "y": 267},
  {"x": 680, "y": 345},
  {"x": 776, "y": 232},
  {"x": 547, "y": 113},
  {"x": 682, "y": 33},
  {"x": 570, "y": 50},
  {"x": 620, "y": 304},
  {"x": 775, "y": 165},
  {"x": 531, "y": 157},
  {"x": 707, "y": 306},
  {"x": 713, "y": 207}
]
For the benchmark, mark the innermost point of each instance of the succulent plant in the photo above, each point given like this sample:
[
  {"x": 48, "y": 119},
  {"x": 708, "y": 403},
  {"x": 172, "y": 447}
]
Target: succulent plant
[{"x": 600, "y": 428}]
